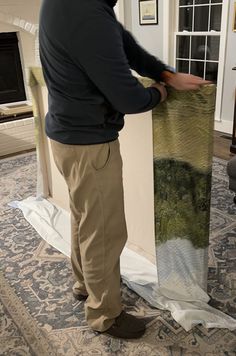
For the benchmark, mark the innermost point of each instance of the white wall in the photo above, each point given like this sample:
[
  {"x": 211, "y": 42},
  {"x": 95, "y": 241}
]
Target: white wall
[
  {"x": 149, "y": 36},
  {"x": 119, "y": 10},
  {"x": 27, "y": 9}
]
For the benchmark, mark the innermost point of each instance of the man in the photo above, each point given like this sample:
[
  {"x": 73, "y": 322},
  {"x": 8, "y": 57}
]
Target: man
[{"x": 86, "y": 58}]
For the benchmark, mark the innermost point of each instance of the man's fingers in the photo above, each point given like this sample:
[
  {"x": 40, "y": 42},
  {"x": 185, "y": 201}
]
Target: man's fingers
[
  {"x": 197, "y": 80},
  {"x": 195, "y": 83},
  {"x": 207, "y": 82},
  {"x": 184, "y": 81}
]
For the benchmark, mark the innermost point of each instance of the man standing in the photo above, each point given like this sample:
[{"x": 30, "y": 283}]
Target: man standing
[{"x": 87, "y": 57}]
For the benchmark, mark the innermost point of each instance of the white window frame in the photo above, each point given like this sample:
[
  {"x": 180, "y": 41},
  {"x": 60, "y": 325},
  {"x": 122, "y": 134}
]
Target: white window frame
[{"x": 170, "y": 56}]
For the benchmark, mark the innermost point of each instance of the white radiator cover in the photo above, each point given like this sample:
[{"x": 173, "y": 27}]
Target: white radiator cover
[{"x": 17, "y": 136}]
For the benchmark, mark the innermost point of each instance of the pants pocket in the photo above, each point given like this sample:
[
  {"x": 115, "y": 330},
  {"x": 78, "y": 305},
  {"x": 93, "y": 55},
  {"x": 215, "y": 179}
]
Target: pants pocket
[
  {"x": 63, "y": 156},
  {"x": 100, "y": 155}
]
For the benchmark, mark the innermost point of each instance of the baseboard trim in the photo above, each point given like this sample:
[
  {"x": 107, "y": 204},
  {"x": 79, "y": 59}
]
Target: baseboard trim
[{"x": 224, "y": 126}]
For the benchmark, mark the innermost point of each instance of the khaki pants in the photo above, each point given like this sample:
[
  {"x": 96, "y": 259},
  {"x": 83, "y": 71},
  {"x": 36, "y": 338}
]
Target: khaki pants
[{"x": 93, "y": 174}]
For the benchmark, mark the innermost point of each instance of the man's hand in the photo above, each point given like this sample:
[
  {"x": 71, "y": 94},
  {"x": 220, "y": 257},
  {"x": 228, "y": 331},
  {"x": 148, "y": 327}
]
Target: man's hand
[
  {"x": 161, "y": 89},
  {"x": 183, "y": 81}
]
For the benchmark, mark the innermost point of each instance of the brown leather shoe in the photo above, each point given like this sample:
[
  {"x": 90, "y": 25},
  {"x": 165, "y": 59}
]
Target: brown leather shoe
[
  {"x": 80, "y": 297},
  {"x": 127, "y": 326}
]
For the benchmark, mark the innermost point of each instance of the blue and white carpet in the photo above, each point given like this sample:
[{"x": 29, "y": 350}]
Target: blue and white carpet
[{"x": 38, "y": 315}]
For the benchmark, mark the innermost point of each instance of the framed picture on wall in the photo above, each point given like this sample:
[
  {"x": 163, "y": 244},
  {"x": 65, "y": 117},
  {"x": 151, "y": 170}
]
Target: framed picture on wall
[{"x": 148, "y": 12}]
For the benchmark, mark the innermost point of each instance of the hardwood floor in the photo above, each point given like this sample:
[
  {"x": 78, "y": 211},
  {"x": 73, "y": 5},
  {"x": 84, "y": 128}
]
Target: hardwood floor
[
  {"x": 17, "y": 153},
  {"x": 222, "y": 144}
]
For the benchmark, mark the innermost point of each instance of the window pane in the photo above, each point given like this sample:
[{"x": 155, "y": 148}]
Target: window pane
[
  {"x": 201, "y": 18},
  {"x": 211, "y": 71},
  {"x": 198, "y": 47},
  {"x": 182, "y": 66},
  {"x": 202, "y": 1},
  {"x": 183, "y": 44},
  {"x": 185, "y": 18},
  {"x": 197, "y": 68},
  {"x": 185, "y": 2},
  {"x": 213, "y": 47},
  {"x": 216, "y": 1},
  {"x": 215, "y": 22}
]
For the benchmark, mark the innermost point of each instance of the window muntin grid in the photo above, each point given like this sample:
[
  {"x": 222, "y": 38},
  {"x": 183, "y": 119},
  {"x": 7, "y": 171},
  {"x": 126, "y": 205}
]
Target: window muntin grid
[
  {"x": 199, "y": 2},
  {"x": 198, "y": 39},
  {"x": 200, "y": 16},
  {"x": 198, "y": 55}
]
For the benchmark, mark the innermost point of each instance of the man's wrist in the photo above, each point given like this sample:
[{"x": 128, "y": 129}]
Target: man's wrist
[{"x": 167, "y": 76}]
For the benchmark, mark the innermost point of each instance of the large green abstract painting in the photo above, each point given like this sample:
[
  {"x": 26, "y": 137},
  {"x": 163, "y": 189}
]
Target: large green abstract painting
[
  {"x": 182, "y": 148},
  {"x": 183, "y": 140}
]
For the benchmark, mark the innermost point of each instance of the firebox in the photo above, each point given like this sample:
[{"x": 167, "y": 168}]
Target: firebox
[{"x": 12, "y": 87}]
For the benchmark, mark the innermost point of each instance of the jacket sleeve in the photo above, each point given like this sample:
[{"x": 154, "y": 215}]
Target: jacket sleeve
[
  {"x": 98, "y": 49},
  {"x": 140, "y": 60}
]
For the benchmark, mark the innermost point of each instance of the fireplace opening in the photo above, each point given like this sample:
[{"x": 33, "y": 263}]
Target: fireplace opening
[{"x": 12, "y": 87}]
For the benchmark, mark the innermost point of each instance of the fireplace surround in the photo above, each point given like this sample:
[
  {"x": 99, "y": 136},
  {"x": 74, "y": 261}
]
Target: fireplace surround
[{"x": 13, "y": 105}]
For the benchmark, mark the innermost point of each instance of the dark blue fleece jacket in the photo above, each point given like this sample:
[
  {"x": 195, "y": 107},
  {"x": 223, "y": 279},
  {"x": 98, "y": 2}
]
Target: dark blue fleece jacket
[{"x": 87, "y": 57}]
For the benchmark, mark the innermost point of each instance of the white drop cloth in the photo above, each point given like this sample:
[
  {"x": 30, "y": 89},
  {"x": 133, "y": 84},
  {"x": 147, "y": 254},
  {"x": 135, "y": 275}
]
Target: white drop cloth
[{"x": 53, "y": 225}]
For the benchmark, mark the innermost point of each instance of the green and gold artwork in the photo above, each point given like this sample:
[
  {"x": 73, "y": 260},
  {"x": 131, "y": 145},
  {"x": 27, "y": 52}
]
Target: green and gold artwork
[
  {"x": 182, "y": 144},
  {"x": 182, "y": 148}
]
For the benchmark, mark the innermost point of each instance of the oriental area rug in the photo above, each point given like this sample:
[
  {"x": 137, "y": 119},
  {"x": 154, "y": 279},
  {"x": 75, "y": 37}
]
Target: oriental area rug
[{"x": 38, "y": 315}]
